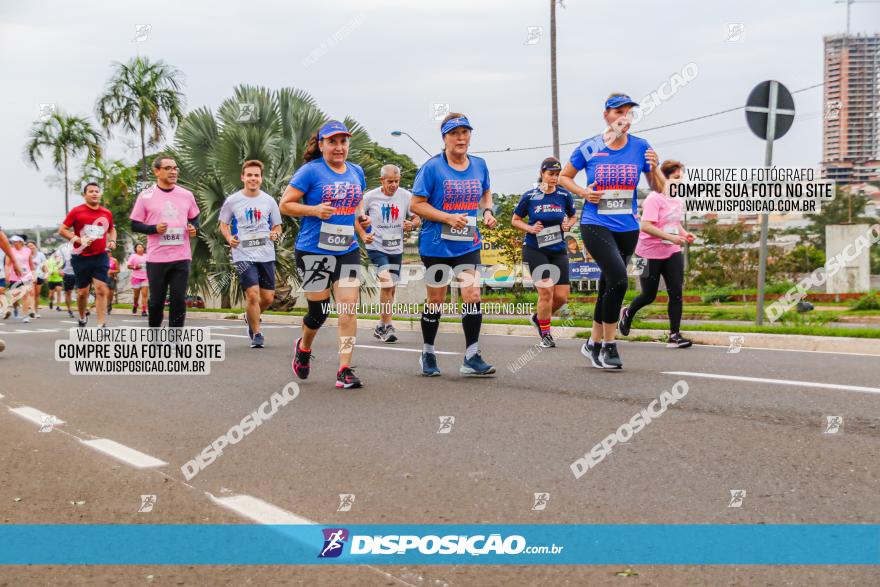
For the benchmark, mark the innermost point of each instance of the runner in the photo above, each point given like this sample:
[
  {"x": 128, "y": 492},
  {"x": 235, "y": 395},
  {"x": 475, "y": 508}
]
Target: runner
[
  {"x": 137, "y": 262},
  {"x": 54, "y": 265},
  {"x": 326, "y": 192},
  {"x": 660, "y": 242},
  {"x": 550, "y": 210},
  {"x": 390, "y": 216},
  {"x": 8, "y": 256},
  {"x": 89, "y": 228},
  {"x": 450, "y": 193},
  {"x": 613, "y": 162},
  {"x": 21, "y": 280},
  {"x": 68, "y": 276},
  {"x": 251, "y": 223},
  {"x": 6, "y": 252},
  {"x": 169, "y": 216},
  {"x": 41, "y": 272},
  {"x": 112, "y": 282}
]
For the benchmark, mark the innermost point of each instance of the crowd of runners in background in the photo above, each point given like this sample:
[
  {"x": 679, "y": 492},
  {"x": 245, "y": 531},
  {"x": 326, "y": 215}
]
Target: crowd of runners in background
[{"x": 450, "y": 202}]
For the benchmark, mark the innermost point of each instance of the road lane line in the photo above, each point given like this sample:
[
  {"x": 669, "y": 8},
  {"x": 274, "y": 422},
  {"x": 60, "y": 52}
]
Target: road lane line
[
  {"x": 34, "y": 415},
  {"x": 258, "y": 510},
  {"x": 393, "y": 348},
  {"x": 776, "y": 381},
  {"x": 232, "y": 335},
  {"x": 123, "y": 453}
]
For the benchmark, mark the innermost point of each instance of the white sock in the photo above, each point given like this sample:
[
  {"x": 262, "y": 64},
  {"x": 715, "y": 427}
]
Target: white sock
[
  {"x": 427, "y": 348},
  {"x": 472, "y": 350}
]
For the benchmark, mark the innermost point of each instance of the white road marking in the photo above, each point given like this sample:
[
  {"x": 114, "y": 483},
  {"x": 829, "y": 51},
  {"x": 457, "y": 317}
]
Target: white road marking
[
  {"x": 258, "y": 510},
  {"x": 69, "y": 321},
  {"x": 777, "y": 381},
  {"x": 38, "y": 331},
  {"x": 233, "y": 335},
  {"x": 123, "y": 453},
  {"x": 34, "y": 415},
  {"x": 394, "y": 348}
]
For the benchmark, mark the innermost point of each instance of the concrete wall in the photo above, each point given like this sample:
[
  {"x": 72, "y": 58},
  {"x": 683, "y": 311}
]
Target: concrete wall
[{"x": 855, "y": 273}]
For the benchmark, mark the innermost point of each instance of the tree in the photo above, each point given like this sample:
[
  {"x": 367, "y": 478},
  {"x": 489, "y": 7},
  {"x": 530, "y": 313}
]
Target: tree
[
  {"x": 727, "y": 257},
  {"x": 143, "y": 97},
  {"x": 843, "y": 209},
  {"x": 65, "y": 137},
  {"x": 274, "y": 127},
  {"x": 506, "y": 238},
  {"x": 118, "y": 193}
]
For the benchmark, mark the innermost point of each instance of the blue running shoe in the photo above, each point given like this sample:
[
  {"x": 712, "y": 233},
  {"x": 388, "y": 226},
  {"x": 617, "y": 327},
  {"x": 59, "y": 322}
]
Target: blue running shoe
[
  {"x": 476, "y": 366},
  {"x": 428, "y": 362}
]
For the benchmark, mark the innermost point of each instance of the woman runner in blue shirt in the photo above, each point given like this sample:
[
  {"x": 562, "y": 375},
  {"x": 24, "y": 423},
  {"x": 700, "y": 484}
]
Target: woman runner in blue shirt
[
  {"x": 551, "y": 213},
  {"x": 613, "y": 162},
  {"x": 450, "y": 193},
  {"x": 326, "y": 192}
]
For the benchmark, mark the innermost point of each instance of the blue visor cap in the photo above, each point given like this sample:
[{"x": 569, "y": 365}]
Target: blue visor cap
[
  {"x": 334, "y": 127},
  {"x": 618, "y": 101},
  {"x": 454, "y": 123}
]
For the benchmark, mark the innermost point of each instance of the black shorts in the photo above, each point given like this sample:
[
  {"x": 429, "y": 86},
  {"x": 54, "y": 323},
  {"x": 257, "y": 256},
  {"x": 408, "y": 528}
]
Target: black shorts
[
  {"x": 69, "y": 282},
  {"x": 41, "y": 280},
  {"x": 251, "y": 273},
  {"x": 551, "y": 265},
  {"x": 86, "y": 268},
  {"x": 318, "y": 271},
  {"x": 439, "y": 270},
  {"x": 54, "y": 284}
]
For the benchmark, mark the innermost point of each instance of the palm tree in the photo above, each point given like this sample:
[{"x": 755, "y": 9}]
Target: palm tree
[
  {"x": 65, "y": 136},
  {"x": 210, "y": 148},
  {"x": 143, "y": 97}
]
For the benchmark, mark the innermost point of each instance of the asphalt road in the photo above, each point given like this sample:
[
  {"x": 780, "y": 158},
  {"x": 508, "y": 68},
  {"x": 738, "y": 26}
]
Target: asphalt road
[{"x": 761, "y": 429}]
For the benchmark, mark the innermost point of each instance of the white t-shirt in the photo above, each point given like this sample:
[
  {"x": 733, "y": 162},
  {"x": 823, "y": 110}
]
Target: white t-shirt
[
  {"x": 251, "y": 218},
  {"x": 39, "y": 259},
  {"x": 387, "y": 214}
]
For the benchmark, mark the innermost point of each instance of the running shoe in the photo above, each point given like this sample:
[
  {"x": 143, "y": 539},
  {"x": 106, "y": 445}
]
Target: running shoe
[
  {"x": 257, "y": 341},
  {"x": 346, "y": 379},
  {"x": 428, "y": 362},
  {"x": 70, "y": 313},
  {"x": 534, "y": 320},
  {"x": 301, "y": 361},
  {"x": 26, "y": 319},
  {"x": 15, "y": 312},
  {"x": 623, "y": 325},
  {"x": 677, "y": 341},
  {"x": 7, "y": 314},
  {"x": 51, "y": 305},
  {"x": 57, "y": 308},
  {"x": 379, "y": 331},
  {"x": 250, "y": 330},
  {"x": 144, "y": 314},
  {"x": 134, "y": 310},
  {"x": 83, "y": 321},
  {"x": 591, "y": 351},
  {"x": 547, "y": 342},
  {"x": 389, "y": 335},
  {"x": 37, "y": 315},
  {"x": 609, "y": 357},
  {"x": 476, "y": 366},
  {"x": 32, "y": 315}
]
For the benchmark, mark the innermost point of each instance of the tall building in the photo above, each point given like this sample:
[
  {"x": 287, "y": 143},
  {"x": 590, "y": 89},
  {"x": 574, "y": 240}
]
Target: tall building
[{"x": 851, "y": 128}]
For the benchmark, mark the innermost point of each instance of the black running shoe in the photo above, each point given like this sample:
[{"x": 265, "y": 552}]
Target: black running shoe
[
  {"x": 534, "y": 320},
  {"x": 547, "y": 342},
  {"x": 83, "y": 321},
  {"x": 677, "y": 341},
  {"x": 623, "y": 325},
  {"x": 609, "y": 357},
  {"x": 301, "y": 359},
  {"x": 591, "y": 351},
  {"x": 346, "y": 379}
]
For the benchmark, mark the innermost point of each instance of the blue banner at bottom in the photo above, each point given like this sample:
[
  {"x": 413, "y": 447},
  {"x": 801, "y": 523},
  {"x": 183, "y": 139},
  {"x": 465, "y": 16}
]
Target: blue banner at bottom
[{"x": 673, "y": 544}]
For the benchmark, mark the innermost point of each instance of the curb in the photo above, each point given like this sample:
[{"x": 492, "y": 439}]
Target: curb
[{"x": 791, "y": 342}]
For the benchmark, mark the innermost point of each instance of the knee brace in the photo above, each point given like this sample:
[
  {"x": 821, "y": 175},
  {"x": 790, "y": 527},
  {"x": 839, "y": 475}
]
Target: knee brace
[{"x": 317, "y": 314}]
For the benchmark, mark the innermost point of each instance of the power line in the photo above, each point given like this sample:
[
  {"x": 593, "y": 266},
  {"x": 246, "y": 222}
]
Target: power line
[{"x": 644, "y": 130}]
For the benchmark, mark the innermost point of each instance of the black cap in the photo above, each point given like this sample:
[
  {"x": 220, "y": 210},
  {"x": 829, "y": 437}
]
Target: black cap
[{"x": 551, "y": 163}]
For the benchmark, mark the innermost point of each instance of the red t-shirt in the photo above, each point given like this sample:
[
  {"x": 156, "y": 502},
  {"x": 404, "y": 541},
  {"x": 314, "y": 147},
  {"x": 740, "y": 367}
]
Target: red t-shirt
[{"x": 89, "y": 223}]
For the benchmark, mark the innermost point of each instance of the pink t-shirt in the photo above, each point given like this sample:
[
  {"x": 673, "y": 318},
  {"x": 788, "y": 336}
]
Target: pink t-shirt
[
  {"x": 22, "y": 255},
  {"x": 175, "y": 207},
  {"x": 139, "y": 260},
  {"x": 665, "y": 213}
]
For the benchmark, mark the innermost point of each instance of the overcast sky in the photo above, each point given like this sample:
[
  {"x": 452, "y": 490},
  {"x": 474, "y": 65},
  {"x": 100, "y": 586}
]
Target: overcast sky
[{"x": 388, "y": 61}]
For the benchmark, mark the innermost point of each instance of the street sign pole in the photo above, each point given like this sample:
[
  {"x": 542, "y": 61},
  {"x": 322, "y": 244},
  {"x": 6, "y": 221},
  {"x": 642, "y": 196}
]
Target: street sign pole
[
  {"x": 765, "y": 219},
  {"x": 769, "y": 114}
]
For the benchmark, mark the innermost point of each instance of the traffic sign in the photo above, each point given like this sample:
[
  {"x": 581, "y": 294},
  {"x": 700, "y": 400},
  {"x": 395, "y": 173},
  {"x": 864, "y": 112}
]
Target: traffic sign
[{"x": 770, "y": 110}]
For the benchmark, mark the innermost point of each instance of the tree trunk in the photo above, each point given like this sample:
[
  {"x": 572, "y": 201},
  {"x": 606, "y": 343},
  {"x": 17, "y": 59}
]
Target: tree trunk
[
  {"x": 144, "y": 177},
  {"x": 553, "y": 106},
  {"x": 66, "y": 186},
  {"x": 225, "y": 300}
]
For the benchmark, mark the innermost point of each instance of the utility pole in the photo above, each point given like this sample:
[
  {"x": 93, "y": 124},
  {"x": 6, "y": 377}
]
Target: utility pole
[{"x": 554, "y": 107}]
